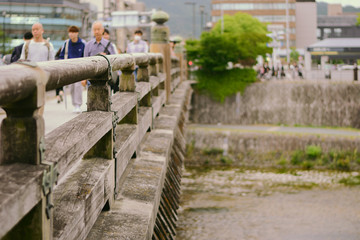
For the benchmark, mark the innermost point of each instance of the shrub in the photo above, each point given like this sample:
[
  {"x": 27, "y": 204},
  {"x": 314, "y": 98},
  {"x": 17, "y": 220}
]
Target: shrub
[
  {"x": 307, "y": 165},
  {"x": 313, "y": 152},
  {"x": 297, "y": 157},
  {"x": 212, "y": 151},
  {"x": 226, "y": 160}
]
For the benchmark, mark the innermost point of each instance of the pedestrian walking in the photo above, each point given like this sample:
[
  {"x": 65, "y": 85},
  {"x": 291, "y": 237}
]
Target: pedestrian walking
[
  {"x": 59, "y": 91},
  {"x": 137, "y": 45},
  {"x": 114, "y": 84},
  {"x": 106, "y": 35},
  {"x": 98, "y": 44},
  {"x": 74, "y": 48},
  {"x": 17, "y": 50},
  {"x": 355, "y": 72},
  {"x": 37, "y": 49}
]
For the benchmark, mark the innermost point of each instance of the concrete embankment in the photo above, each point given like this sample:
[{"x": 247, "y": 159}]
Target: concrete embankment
[
  {"x": 252, "y": 148},
  {"x": 315, "y": 103}
]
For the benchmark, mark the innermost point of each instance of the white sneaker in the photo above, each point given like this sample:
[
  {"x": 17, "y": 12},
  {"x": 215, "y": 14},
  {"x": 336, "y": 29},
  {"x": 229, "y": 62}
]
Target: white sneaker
[{"x": 77, "y": 109}]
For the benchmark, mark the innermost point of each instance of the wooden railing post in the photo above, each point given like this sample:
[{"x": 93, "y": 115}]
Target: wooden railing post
[
  {"x": 152, "y": 65},
  {"x": 99, "y": 93},
  {"x": 127, "y": 78},
  {"x": 127, "y": 84},
  {"x": 143, "y": 72},
  {"x": 160, "y": 63},
  {"x": 160, "y": 43},
  {"x": 153, "y": 71},
  {"x": 22, "y": 141},
  {"x": 99, "y": 99}
]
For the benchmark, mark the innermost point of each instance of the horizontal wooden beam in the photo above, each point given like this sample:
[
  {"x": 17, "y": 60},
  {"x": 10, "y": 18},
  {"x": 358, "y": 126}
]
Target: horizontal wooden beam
[{"x": 68, "y": 143}]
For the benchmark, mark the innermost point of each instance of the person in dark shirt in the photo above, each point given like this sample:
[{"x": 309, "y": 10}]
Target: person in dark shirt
[
  {"x": 17, "y": 50},
  {"x": 74, "y": 48}
]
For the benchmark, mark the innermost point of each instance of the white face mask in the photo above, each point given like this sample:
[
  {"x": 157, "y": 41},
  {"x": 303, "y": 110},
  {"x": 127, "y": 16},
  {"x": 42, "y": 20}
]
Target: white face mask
[{"x": 137, "y": 37}]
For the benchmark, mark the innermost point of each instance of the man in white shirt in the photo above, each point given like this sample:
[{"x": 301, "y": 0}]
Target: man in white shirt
[{"x": 38, "y": 49}]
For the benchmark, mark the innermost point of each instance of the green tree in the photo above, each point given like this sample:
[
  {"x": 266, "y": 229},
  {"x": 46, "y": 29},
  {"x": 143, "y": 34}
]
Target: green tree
[
  {"x": 358, "y": 20},
  {"x": 7, "y": 42},
  {"x": 294, "y": 55},
  {"x": 243, "y": 39}
]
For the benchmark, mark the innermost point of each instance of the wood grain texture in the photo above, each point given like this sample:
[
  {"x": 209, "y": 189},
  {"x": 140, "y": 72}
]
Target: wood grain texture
[
  {"x": 123, "y": 103},
  {"x": 20, "y": 191},
  {"x": 69, "y": 142},
  {"x": 142, "y": 88},
  {"x": 80, "y": 198}
]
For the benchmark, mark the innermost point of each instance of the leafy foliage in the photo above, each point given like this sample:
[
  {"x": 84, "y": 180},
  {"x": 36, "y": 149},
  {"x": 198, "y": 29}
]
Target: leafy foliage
[
  {"x": 294, "y": 55},
  {"x": 7, "y": 41},
  {"x": 243, "y": 39},
  {"x": 218, "y": 85},
  {"x": 358, "y": 20}
]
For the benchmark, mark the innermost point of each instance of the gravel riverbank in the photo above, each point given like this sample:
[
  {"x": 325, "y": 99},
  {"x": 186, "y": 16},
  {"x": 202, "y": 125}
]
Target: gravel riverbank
[{"x": 250, "y": 204}]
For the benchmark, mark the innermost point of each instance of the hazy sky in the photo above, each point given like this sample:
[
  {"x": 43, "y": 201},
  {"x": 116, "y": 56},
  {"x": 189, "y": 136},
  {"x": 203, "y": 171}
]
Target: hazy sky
[{"x": 355, "y": 3}]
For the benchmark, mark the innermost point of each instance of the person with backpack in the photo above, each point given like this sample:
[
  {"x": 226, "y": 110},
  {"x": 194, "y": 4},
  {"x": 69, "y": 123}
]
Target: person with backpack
[
  {"x": 98, "y": 44},
  {"x": 114, "y": 84},
  {"x": 74, "y": 48},
  {"x": 37, "y": 49},
  {"x": 17, "y": 50}
]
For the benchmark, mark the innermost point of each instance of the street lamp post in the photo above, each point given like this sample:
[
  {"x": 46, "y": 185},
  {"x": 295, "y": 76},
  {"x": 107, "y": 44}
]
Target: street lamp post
[
  {"x": 202, "y": 8},
  {"x": 193, "y": 4},
  {"x": 222, "y": 17},
  {"x": 3, "y": 30},
  {"x": 287, "y": 33}
]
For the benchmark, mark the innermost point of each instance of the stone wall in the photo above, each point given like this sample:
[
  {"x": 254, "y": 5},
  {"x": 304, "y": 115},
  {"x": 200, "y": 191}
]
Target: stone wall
[
  {"x": 315, "y": 103},
  {"x": 262, "y": 149}
]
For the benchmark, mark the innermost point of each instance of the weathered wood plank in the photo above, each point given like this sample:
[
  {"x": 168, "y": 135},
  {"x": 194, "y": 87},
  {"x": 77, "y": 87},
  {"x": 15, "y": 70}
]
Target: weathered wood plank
[
  {"x": 154, "y": 81},
  {"x": 126, "y": 144},
  {"x": 79, "y": 199},
  {"x": 20, "y": 191},
  {"x": 123, "y": 103},
  {"x": 69, "y": 142},
  {"x": 162, "y": 77},
  {"x": 134, "y": 212},
  {"x": 142, "y": 88},
  {"x": 175, "y": 83},
  {"x": 145, "y": 121}
]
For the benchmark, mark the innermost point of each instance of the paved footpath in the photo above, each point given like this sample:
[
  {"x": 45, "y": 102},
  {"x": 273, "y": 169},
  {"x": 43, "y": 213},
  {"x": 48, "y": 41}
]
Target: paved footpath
[{"x": 56, "y": 114}]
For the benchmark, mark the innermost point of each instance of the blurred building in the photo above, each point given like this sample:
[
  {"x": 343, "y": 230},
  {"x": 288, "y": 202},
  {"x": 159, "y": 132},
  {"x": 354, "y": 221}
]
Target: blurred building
[
  {"x": 18, "y": 16},
  {"x": 337, "y": 24},
  {"x": 301, "y": 16}
]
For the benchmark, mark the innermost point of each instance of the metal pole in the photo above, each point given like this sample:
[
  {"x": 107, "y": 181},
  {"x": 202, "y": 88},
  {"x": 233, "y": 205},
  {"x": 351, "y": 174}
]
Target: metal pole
[
  {"x": 3, "y": 30},
  {"x": 193, "y": 4},
  {"x": 287, "y": 33},
  {"x": 194, "y": 19},
  {"x": 201, "y": 18},
  {"x": 222, "y": 18}
]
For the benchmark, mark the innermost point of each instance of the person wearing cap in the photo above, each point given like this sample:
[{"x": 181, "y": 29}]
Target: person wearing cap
[{"x": 74, "y": 48}]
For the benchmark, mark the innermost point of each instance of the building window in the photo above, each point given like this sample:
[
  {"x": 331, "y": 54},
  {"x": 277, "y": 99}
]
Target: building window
[
  {"x": 327, "y": 32},
  {"x": 318, "y": 33},
  {"x": 251, "y": 6},
  {"x": 337, "y": 32}
]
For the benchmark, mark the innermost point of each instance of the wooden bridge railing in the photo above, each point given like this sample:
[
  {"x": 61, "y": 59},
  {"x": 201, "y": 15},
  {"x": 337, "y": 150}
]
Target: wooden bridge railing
[{"x": 55, "y": 186}]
